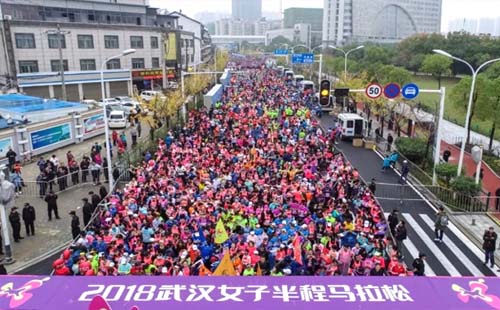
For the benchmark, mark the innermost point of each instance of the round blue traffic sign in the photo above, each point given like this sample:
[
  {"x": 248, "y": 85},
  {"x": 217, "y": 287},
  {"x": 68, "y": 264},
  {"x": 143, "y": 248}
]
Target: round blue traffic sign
[
  {"x": 392, "y": 90},
  {"x": 410, "y": 91}
]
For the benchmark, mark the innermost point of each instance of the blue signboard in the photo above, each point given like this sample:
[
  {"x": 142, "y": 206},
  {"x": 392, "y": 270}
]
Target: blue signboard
[
  {"x": 48, "y": 136},
  {"x": 410, "y": 91},
  {"x": 297, "y": 59},
  {"x": 303, "y": 58},
  {"x": 308, "y": 58},
  {"x": 279, "y": 52},
  {"x": 5, "y": 144},
  {"x": 392, "y": 90}
]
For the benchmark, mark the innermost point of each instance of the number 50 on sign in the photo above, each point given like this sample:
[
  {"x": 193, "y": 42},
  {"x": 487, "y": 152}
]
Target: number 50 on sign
[{"x": 373, "y": 91}]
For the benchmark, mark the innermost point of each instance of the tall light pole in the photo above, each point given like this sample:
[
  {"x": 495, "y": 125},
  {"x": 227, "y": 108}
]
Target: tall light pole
[
  {"x": 60, "y": 35},
  {"x": 320, "y": 72},
  {"x": 106, "y": 128},
  {"x": 345, "y": 56},
  {"x": 471, "y": 95}
]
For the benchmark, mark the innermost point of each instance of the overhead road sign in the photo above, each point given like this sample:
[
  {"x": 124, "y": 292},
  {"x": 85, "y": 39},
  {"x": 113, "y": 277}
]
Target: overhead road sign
[
  {"x": 392, "y": 90},
  {"x": 303, "y": 58},
  {"x": 280, "y": 52},
  {"x": 410, "y": 91},
  {"x": 373, "y": 91}
]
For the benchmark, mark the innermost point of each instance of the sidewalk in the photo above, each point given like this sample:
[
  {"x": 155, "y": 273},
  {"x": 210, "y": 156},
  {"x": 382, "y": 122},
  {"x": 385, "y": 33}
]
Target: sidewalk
[
  {"x": 475, "y": 232},
  {"x": 49, "y": 236}
]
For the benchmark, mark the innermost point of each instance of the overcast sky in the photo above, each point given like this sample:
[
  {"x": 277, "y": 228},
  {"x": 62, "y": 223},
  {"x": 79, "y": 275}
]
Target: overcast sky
[{"x": 452, "y": 9}]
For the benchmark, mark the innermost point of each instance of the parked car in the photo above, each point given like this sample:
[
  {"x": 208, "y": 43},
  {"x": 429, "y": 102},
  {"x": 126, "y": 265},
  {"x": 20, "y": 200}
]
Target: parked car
[
  {"x": 129, "y": 104},
  {"x": 148, "y": 95},
  {"x": 91, "y": 103},
  {"x": 108, "y": 101},
  {"x": 117, "y": 119},
  {"x": 172, "y": 85},
  {"x": 116, "y": 107}
]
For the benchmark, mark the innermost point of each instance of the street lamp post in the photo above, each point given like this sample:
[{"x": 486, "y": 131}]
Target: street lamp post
[
  {"x": 469, "y": 106},
  {"x": 60, "y": 36},
  {"x": 320, "y": 73},
  {"x": 106, "y": 128},
  {"x": 345, "y": 56}
]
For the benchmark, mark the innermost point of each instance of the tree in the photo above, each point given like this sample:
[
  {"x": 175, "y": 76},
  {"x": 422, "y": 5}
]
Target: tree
[
  {"x": 412, "y": 148},
  {"x": 493, "y": 70},
  {"x": 392, "y": 74},
  {"x": 460, "y": 96},
  {"x": 446, "y": 171},
  {"x": 437, "y": 65},
  {"x": 491, "y": 109}
]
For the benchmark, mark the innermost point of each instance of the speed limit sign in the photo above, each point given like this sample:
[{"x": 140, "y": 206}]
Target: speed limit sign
[{"x": 373, "y": 91}]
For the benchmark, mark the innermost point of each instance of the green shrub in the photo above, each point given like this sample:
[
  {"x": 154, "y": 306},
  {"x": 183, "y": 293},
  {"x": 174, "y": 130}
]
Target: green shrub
[
  {"x": 465, "y": 185},
  {"x": 446, "y": 172},
  {"x": 412, "y": 148}
]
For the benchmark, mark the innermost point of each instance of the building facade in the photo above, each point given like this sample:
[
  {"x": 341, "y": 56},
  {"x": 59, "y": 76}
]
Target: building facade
[
  {"x": 250, "y": 10},
  {"x": 347, "y": 21},
  {"x": 311, "y": 16},
  {"x": 91, "y": 32}
]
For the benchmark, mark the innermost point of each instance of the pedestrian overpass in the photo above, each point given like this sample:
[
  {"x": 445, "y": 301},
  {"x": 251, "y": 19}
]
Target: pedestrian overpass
[{"x": 231, "y": 39}]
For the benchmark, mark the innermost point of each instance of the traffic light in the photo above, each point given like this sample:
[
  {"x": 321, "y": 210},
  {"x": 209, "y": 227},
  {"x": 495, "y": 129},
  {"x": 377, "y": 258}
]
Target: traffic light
[{"x": 324, "y": 93}]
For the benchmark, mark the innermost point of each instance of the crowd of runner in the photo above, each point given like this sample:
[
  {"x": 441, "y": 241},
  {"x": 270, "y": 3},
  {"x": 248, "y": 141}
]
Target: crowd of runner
[{"x": 260, "y": 163}]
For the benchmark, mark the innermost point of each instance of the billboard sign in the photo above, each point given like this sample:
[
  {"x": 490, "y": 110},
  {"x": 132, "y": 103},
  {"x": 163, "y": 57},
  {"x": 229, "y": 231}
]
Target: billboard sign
[
  {"x": 4, "y": 146},
  {"x": 49, "y": 136},
  {"x": 93, "y": 123}
]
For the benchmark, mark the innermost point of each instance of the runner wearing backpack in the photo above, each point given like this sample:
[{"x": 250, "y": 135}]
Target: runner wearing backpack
[{"x": 440, "y": 224}]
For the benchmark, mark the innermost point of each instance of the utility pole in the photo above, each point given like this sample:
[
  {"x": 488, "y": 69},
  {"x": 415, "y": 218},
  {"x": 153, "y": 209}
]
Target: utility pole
[{"x": 60, "y": 35}]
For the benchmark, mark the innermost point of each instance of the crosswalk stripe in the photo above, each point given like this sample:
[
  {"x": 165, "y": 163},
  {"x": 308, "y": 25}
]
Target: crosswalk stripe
[
  {"x": 458, "y": 253},
  {"x": 432, "y": 246},
  {"x": 414, "y": 252},
  {"x": 470, "y": 245}
]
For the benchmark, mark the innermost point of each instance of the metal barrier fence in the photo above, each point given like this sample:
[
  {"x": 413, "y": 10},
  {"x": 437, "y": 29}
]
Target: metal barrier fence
[
  {"x": 124, "y": 178},
  {"x": 66, "y": 182},
  {"x": 438, "y": 195}
]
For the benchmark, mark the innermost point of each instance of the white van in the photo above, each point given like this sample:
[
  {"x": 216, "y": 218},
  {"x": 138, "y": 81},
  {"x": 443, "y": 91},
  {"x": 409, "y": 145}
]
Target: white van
[
  {"x": 297, "y": 79},
  {"x": 289, "y": 75},
  {"x": 306, "y": 85},
  {"x": 117, "y": 119},
  {"x": 353, "y": 125}
]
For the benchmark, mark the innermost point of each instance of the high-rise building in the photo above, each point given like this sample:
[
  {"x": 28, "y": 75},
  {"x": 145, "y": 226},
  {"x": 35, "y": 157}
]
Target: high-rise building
[
  {"x": 346, "y": 21},
  {"x": 314, "y": 17},
  {"x": 476, "y": 26},
  {"x": 250, "y": 10}
]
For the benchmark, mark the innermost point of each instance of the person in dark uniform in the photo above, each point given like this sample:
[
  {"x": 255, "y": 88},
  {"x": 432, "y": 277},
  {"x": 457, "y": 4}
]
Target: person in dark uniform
[
  {"x": 51, "y": 200},
  {"x": 11, "y": 156},
  {"x": 419, "y": 265},
  {"x": 29, "y": 217},
  {"x": 390, "y": 139},
  {"x": 94, "y": 199},
  {"x": 15, "y": 222},
  {"x": 372, "y": 186},
  {"x": 75, "y": 224},
  {"x": 446, "y": 155},
  {"x": 87, "y": 211}
]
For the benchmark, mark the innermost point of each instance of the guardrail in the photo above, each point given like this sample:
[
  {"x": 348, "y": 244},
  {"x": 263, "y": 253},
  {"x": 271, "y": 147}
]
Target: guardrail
[
  {"x": 438, "y": 195},
  {"x": 124, "y": 177}
]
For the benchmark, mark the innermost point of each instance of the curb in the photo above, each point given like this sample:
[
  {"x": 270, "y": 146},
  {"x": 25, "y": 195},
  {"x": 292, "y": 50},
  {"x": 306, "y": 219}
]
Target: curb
[{"x": 40, "y": 258}]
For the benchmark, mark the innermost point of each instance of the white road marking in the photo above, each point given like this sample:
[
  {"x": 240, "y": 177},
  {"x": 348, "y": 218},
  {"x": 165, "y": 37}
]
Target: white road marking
[
  {"x": 453, "y": 247},
  {"x": 432, "y": 246}
]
